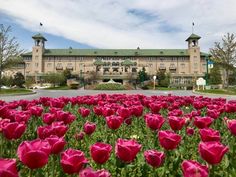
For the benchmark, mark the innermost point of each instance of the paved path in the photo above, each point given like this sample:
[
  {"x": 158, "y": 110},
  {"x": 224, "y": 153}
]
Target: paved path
[{"x": 72, "y": 93}]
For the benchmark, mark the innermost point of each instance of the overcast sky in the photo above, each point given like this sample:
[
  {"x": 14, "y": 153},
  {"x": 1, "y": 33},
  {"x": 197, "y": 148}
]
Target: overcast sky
[{"x": 119, "y": 23}]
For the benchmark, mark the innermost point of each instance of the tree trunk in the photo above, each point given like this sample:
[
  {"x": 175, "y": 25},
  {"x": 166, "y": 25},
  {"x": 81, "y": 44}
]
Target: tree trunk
[{"x": 227, "y": 79}]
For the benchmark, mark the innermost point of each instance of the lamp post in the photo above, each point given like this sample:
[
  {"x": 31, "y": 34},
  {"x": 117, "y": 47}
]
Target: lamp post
[
  {"x": 207, "y": 59},
  {"x": 154, "y": 83}
]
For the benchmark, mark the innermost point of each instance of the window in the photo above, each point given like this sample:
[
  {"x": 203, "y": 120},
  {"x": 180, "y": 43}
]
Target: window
[
  {"x": 49, "y": 64},
  {"x": 36, "y": 65},
  {"x": 195, "y": 65},
  {"x": 27, "y": 64},
  {"x": 182, "y": 65}
]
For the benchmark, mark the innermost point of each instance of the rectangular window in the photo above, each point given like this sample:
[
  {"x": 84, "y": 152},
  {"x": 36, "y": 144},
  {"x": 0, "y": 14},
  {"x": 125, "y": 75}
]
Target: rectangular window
[{"x": 182, "y": 65}]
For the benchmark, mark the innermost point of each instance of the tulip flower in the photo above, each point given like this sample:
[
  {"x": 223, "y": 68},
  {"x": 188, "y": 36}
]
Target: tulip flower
[
  {"x": 155, "y": 107},
  {"x": 126, "y": 150},
  {"x": 231, "y": 124},
  {"x": 89, "y": 172},
  {"x": 89, "y": 128},
  {"x": 208, "y": 134},
  {"x": 154, "y": 158},
  {"x": 168, "y": 139},
  {"x": 189, "y": 131},
  {"x": 57, "y": 144},
  {"x": 212, "y": 152},
  {"x": 72, "y": 161},
  {"x": 8, "y": 168},
  {"x": 48, "y": 118},
  {"x": 202, "y": 122},
  {"x": 114, "y": 122},
  {"x": 84, "y": 112},
  {"x": 34, "y": 154},
  {"x": 13, "y": 130},
  {"x": 191, "y": 168},
  {"x": 100, "y": 152},
  {"x": 176, "y": 123},
  {"x": 154, "y": 121}
]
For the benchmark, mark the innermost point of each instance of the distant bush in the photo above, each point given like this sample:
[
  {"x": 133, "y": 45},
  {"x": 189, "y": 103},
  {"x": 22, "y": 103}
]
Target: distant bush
[
  {"x": 74, "y": 85},
  {"x": 109, "y": 86}
]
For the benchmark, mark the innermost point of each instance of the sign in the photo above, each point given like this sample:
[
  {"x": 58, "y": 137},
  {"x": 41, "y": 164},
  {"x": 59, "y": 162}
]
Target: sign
[{"x": 201, "y": 81}]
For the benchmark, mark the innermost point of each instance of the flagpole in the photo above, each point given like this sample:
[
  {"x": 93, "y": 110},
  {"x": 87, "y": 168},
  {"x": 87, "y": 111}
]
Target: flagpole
[{"x": 192, "y": 27}]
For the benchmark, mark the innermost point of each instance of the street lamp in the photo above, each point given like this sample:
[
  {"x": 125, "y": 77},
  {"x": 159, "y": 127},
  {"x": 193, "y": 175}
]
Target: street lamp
[
  {"x": 154, "y": 83},
  {"x": 207, "y": 59}
]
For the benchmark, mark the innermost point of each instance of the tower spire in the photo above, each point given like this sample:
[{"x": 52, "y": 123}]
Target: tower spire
[{"x": 192, "y": 27}]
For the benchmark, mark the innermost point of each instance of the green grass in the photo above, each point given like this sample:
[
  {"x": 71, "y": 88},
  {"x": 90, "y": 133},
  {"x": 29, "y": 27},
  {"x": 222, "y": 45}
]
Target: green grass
[
  {"x": 58, "y": 88},
  {"x": 109, "y": 86},
  {"x": 14, "y": 91},
  {"x": 162, "y": 88},
  {"x": 219, "y": 91}
]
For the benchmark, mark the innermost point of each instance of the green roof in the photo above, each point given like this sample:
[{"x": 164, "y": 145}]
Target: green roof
[
  {"x": 115, "y": 52},
  {"x": 39, "y": 36},
  {"x": 193, "y": 36}
]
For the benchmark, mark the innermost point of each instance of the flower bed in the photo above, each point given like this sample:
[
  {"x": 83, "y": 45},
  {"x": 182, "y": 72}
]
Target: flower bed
[{"x": 118, "y": 135}]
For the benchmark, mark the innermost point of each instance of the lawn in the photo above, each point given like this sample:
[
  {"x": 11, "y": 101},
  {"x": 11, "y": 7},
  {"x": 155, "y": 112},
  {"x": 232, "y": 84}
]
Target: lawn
[
  {"x": 162, "y": 88},
  {"x": 14, "y": 91},
  {"x": 219, "y": 91},
  {"x": 58, "y": 88}
]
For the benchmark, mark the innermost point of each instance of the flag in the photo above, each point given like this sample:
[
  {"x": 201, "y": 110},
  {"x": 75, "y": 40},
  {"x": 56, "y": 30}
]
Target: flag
[
  {"x": 193, "y": 23},
  {"x": 40, "y": 24}
]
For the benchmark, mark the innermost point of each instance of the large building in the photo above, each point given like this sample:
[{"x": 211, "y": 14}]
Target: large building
[{"x": 184, "y": 65}]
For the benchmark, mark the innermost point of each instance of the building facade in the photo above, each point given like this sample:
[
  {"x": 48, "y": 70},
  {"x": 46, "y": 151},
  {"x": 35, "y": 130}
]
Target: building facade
[{"x": 184, "y": 65}]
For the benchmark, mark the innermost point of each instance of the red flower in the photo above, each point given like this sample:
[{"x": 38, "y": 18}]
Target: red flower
[
  {"x": 208, "y": 134},
  {"x": 48, "y": 118},
  {"x": 155, "y": 107},
  {"x": 89, "y": 128},
  {"x": 65, "y": 117},
  {"x": 34, "y": 154},
  {"x": 190, "y": 131},
  {"x": 126, "y": 150},
  {"x": 176, "y": 123},
  {"x": 107, "y": 111},
  {"x": 100, "y": 152},
  {"x": 202, "y": 122},
  {"x": 137, "y": 110},
  {"x": 36, "y": 110},
  {"x": 154, "y": 158},
  {"x": 72, "y": 161},
  {"x": 56, "y": 128},
  {"x": 231, "y": 124},
  {"x": 168, "y": 139},
  {"x": 13, "y": 130},
  {"x": 212, "y": 152},
  {"x": 84, "y": 111},
  {"x": 89, "y": 172},
  {"x": 97, "y": 110},
  {"x": 114, "y": 122},
  {"x": 213, "y": 113},
  {"x": 57, "y": 144},
  {"x": 124, "y": 112},
  {"x": 191, "y": 168},
  {"x": 154, "y": 121},
  {"x": 8, "y": 168}
]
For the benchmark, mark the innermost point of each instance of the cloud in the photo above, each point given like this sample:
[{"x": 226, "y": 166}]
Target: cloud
[{"x": 126, "y": 23}]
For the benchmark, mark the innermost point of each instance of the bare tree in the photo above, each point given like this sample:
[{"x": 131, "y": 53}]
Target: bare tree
[
  {"x": 224, "y": 54},
  {"x": 9, "y": 50}
]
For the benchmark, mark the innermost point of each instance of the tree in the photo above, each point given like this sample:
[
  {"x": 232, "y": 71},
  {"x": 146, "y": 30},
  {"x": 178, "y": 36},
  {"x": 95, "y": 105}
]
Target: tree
[
  {"x": 7, "y": 81},
  {"x": 9, "y": 50},
  {"x": 67, "y": 75},
  {"x": 19, "y": 80},
  {"x": 142, "y": 75},
  {"x": 54, "y": 78},
  {"x": 215, "y": 75},
  {"x": 224, "y": 54},
  {"x": 163, "y": 79}
]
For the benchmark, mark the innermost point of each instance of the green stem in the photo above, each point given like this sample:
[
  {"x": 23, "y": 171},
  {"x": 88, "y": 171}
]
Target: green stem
[{"x": 31, "y": 173}]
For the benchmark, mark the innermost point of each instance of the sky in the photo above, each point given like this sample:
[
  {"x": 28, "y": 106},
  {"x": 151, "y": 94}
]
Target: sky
[{"x": 119, "y": 23}]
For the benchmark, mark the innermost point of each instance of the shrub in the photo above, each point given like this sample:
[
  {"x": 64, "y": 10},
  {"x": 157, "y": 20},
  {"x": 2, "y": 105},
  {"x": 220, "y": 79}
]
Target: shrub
[{"x": 109, "y": 86}]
